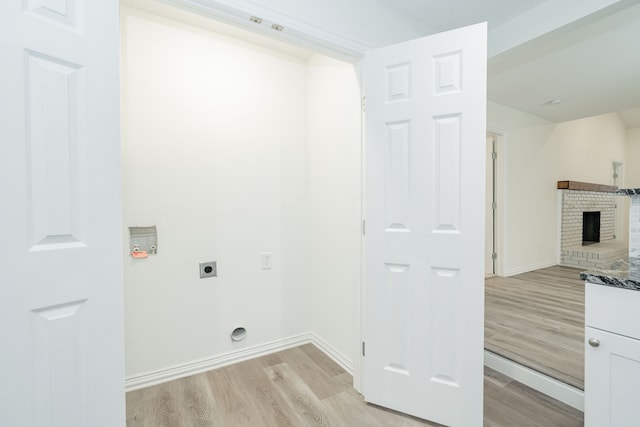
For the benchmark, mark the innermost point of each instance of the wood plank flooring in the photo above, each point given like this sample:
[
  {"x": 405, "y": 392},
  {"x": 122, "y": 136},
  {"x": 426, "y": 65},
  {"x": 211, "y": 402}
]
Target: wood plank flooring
[
  {"x": 537, "y": 320},
  {"x": 303, "y": 387}
]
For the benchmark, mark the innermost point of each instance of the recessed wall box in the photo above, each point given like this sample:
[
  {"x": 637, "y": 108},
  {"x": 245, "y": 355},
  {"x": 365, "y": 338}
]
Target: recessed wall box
[{"x": 143, "y": 239}]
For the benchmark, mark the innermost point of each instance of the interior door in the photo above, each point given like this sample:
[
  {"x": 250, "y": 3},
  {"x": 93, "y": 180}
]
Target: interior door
[
  {"x": 61, "y": 302},
  {"x": 424, "y": 245}
]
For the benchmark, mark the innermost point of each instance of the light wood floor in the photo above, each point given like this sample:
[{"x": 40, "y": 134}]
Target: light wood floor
[
  {"x": 303, "y": 387},
  {"x": 537, "y": 320}
]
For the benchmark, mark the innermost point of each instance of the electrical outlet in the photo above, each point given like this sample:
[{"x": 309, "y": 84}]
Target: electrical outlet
[{"x": 208, "y": 269}]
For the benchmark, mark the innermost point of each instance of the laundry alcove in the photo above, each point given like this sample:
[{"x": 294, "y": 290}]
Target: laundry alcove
[{"x": 235, "y": 145}]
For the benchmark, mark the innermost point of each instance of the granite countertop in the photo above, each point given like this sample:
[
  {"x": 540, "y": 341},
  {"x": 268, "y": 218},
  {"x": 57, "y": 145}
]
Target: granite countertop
[
  {"x": 624, "y": 273},
  {"x": 629, "y": 191}
]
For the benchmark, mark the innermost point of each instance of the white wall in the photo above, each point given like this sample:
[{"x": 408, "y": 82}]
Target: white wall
[
  {"x": 334, "y": 200},
  {"x": 537, "y": 154},
  {"x": 232, "y": 150},
  {"x": 632, "y": 167},
  {"x": 214, "y": 154}
]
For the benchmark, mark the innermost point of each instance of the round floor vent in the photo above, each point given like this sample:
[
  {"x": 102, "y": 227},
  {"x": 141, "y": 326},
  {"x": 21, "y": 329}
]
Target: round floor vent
[{"x": 238, "y": 334}]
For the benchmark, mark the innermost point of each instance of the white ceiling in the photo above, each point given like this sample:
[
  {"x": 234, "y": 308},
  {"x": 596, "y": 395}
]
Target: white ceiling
[
  {"x": 447, "y": 15},
  {"x": 594, "y": 69},
  {"x": 591, "y": 62},
  {"x": 584, "y": 52}
]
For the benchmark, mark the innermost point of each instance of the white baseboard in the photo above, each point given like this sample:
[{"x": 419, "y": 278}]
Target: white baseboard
[
  {"x": 160, "y": 376},
  {"x": 530, "y": 267},
  {"x": 191, "y": 368},
  {"x": 551, "y": 387},
  {"x": 335, "y": 355}
]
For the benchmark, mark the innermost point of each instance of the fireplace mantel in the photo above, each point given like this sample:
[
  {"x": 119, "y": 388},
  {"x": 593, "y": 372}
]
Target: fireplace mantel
[{"x": 586, "y": 186}]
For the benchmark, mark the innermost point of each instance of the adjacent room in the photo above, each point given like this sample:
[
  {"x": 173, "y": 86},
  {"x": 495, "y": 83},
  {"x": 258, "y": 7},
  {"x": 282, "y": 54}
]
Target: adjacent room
[
  {"x": 566, "y": 130},
  {"x": 535, "y": 304}
]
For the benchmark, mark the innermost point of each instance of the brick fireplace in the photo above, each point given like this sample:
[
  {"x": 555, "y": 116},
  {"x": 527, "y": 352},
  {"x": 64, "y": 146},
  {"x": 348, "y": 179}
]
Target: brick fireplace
[{"x": 579, "y": 202}]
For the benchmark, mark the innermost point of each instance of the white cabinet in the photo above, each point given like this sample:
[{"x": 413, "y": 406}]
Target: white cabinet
[{"x": 612, "y": 357}]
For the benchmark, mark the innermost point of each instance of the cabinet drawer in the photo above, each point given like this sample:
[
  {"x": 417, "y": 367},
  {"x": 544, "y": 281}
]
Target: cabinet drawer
[{"x": 613, "y": 309}]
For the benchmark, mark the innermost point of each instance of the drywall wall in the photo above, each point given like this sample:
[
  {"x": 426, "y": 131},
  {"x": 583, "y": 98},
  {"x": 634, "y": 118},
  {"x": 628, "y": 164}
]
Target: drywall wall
[
  {"x": 215, "y": 155},
  {"x": 632, "y": 167},
  {"x": 535, "y": 155},
  {"x": 334, "y": 160},
  {"x": 233, "y": 150}
]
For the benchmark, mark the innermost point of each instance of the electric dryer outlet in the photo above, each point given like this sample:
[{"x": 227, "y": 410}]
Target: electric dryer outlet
[{"x": 208, "y": 269}]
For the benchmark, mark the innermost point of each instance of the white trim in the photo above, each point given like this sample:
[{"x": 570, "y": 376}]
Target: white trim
[
  {"x": 551, "y": 387},
  {"x": 335, "y": 355},
  {"x": 530, "y": 267},
  {"x": 498, "y": 134},
  {"x": 160, "y": 376},
  {"x": 293, "y": 31},
  {"x": 358, "y": 358},
  {"x": 148, "y": 379}
]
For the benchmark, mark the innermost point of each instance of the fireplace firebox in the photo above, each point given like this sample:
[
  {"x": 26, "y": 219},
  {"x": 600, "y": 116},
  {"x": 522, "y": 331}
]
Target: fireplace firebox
[{"x": 590, "y": 228}]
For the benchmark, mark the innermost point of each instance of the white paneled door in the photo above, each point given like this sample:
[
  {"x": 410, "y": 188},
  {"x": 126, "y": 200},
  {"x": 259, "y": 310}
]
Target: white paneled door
[
  {"x": 424, "y": 245},
  {"x": 61, "y": 307}
]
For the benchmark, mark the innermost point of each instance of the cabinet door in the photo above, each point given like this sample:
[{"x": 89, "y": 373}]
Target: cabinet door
[{"x": 612, "y": 380}]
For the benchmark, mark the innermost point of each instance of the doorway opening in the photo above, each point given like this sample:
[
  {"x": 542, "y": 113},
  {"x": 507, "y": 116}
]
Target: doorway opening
[
  {"x": 237, "y": 147},
  {"x": 491, "y": 205}
]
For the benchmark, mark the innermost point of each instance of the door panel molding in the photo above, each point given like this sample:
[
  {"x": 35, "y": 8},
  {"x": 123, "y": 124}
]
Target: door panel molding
[{"x": 423, "y": 293}]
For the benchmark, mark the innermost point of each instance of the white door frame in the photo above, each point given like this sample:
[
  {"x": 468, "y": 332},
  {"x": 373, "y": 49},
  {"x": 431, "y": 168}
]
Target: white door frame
[{"x": 499, "y": 198}]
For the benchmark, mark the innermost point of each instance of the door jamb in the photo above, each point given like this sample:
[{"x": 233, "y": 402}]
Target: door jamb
[
  {"x": 359, "y": 287},
  {"x": 499, "y": 135}
]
